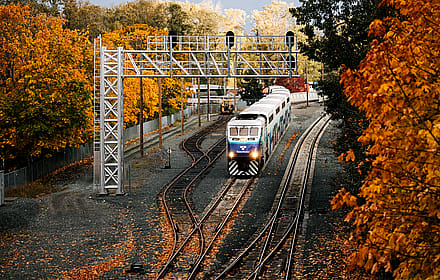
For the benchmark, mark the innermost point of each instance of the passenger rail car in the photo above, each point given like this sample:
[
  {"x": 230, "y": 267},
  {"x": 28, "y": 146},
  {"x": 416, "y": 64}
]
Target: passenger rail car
[
  {"x": 227, "y": 106},
  {"x": 253, "y": 134}
]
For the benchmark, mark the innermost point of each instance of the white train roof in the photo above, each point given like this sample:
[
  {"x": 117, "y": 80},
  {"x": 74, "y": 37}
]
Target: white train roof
[
  {"x": 276, "y": 102},
  {"x": 278, "y": 89},
  {"x": 260, "y": 109},
  {"x": 255, "y": 122},
  {"x": 276, "y": 96}
]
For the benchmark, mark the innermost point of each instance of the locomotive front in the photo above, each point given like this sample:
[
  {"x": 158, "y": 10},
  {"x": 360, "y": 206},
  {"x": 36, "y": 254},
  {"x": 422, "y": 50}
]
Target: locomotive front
[{"x": 244, "y": 149}]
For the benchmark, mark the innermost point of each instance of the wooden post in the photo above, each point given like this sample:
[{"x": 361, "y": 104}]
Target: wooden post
[
  {"x": 159, "y": 83},
  {"x": 208, "y": 111},
  {"x": 198, "y": 101},
  {"x": 307, "y": 85},
  {"x": 141, "y": 118},
  {"x": 182, "y": 117}
]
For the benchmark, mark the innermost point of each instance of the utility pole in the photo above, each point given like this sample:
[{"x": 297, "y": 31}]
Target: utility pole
[
  {"x": 307, "y": 84},
  {"x": 198, "y": 101},
  {"x": 235, "y": 93},
  {"x": 208, "y": 111},
  {"x": 181, "y": 104},
  {"x": 141, "y": 117},
  {"x": 159, "y": 83}
]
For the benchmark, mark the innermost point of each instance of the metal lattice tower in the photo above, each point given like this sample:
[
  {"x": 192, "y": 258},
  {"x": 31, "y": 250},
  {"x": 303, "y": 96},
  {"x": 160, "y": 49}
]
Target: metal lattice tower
[{"x": 173, "y": 57}]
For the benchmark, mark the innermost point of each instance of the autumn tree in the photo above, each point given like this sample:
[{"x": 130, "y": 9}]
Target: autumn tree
[
  {"x": 234, "y": 20},
  {"x": 85, "y": 17},
  {"x": 45, "y": 84},
  {"x": 135, "y": 37},
  {"x": 204, "y": 19},
  {"x": 295, "y": 84},
  {"x": 398, "y": 87},
  {"x": 49, "y": 7}
]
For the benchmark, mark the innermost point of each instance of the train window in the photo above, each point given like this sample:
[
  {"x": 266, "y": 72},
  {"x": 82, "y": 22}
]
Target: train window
[
  {"x": 270, "y": 118},
  {"x": 284, "y": 104},
  {"x": 244, "y": 131},
  {"x": 278, "y": 110},
  {"x": 254, "y": 131},
  {"x": 247, "y": 117},
  {"x": 288, "y": 99},
  {"x": 233, "y": 131}
]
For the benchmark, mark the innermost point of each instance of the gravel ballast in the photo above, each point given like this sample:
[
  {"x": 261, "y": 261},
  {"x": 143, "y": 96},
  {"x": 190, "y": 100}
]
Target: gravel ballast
[{"x": 75, "y": 233}]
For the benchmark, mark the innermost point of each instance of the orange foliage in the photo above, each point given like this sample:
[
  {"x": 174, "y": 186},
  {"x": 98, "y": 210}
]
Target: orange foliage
[
  {"x": 398, "y": 88},
  {"x": 45, "y": 84},
  {"x": 134, "y": 37}
]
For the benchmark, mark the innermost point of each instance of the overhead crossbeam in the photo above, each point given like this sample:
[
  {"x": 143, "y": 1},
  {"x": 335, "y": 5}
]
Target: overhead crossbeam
[
  {"x": 209, "y": 56},
  {"x": 184, "y": 56}
]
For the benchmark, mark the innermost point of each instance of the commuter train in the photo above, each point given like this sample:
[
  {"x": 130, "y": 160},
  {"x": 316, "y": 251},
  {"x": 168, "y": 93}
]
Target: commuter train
[
  {"x": 227, "y": 106},
  {"x": 252, "y": 135}
]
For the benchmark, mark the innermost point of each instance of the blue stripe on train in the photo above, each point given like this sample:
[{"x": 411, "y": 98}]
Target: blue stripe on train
[{"x": 242, "y": 149}]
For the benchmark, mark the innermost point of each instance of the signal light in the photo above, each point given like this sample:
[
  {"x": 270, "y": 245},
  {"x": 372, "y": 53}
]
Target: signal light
[{"x": 229, "y": 39}]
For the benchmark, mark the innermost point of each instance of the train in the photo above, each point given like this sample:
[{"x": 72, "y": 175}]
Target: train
[
  {"x": 227, "y": 106},
  {"x": 252, "y": 135}
]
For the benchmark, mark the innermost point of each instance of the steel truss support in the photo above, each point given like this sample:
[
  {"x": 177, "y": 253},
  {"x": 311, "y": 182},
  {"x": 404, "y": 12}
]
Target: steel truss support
[
  {"x": 111, "y": 121},
  {"x": 185, "y": 57}
]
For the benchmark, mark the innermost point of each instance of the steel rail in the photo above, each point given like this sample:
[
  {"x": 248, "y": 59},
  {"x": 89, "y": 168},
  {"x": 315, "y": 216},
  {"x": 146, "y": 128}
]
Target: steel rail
[
  {"x": 176, "y": 250},
  {"x": 294, "y": 225},
  {"x": 221, "y": 226},
  {"x": 304, "y": 187},
  {"x": 270, "y": 223},
  {"x": 199, "y": 224},
  {"x": 284, "y": 191}
]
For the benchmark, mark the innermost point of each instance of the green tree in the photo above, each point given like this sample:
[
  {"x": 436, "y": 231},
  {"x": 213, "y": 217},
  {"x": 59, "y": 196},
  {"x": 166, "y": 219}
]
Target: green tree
[
  {"x": 337, "y": 34},
  {"x": 250, "y": 89}
]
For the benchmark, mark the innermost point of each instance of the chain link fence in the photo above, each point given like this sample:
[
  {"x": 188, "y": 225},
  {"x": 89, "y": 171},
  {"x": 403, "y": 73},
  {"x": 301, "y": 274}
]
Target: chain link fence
[
  {"x": 2, "y": 188},
  {"x": 41, "y": 168}
]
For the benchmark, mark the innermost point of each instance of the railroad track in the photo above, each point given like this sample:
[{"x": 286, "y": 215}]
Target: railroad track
[
  {"x": 167, "y": 133},
  {"x": 270, "y": 254},
  {"x": 188, "y": 236}
]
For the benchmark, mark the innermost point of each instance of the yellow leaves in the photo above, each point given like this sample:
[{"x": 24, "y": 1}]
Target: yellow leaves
[
  {"x": 377, "y": 28},
  {"x": 397, "y": 88},
  {"x": 343, "y": 198},
  {"x": 47, "y": 104},
  {"x": 134, "y": 37},
  {"x": 349, "y": 156}
]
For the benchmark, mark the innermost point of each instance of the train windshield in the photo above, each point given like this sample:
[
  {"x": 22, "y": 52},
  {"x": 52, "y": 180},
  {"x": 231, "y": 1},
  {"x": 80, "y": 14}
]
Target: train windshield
[
  {"x": 243, "y": 131},
  {"x": 253, "y": 131}
]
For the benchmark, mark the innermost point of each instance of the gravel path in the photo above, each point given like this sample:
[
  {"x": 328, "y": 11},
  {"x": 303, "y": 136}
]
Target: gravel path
[{"x": 74, "y": 233}]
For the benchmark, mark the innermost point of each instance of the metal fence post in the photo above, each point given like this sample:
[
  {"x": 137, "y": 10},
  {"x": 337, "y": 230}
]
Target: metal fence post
[{"x": 2, "y": 187}]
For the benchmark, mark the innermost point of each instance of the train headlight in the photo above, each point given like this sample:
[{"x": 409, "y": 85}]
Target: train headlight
[
  {"x": 255, "y": 154},
  {"x": 231, "y": 154}
]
